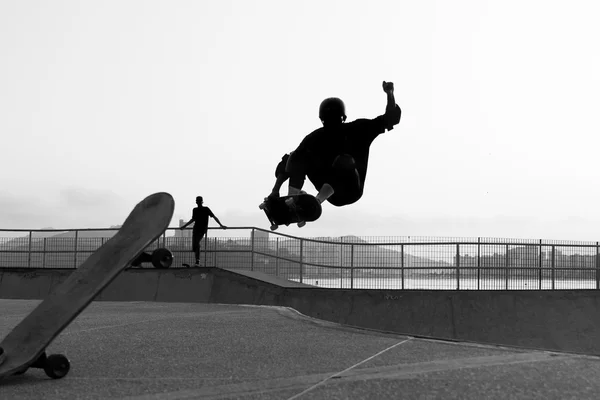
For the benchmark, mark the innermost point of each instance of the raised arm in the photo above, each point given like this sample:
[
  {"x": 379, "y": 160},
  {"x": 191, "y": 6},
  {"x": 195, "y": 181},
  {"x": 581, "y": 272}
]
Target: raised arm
[
  {"x": 187, "y": 223},
  {"x": 392, "y": 110}
]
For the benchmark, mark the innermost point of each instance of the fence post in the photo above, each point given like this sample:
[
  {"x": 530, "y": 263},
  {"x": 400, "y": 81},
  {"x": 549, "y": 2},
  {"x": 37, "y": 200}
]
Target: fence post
[
  {"x": 552, "y": 265},
  {"x": 341, "y": 263},
  {"x": 206, "y": 249},
  {"x": 541, "y": 267},
  {"x": 457, "y": 266},
  {"x": 478, "y": 263},
  {"x": 301, "y": 259},
  {"x": 215, "y": 252},
  {"x": 597, "y": 267},
  {"x": 402, "y": 265},
  {"x": 352, "y": 266},
  {"x": 29, "y": 250},
  {"x": 44, "y": 254},
  {"x": 75, "y": 249},
  {"x": 252, "y": 250},
  {"x": 277, "y": 257},
  {"x": 506, "y": 262}
]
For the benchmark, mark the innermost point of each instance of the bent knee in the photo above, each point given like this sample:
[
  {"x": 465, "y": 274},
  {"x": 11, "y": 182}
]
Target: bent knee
[
  {"x": 295, "y": 165},
  {"x": 340, "y": 199}
]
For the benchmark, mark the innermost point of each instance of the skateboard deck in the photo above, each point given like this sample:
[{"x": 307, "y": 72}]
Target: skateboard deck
[
  {"x": 286, "y": 210},
  {"x": 25, "y": 345}
]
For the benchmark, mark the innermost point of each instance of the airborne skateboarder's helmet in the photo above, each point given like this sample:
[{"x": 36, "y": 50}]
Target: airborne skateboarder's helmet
[{"x": 332, "y": 107}]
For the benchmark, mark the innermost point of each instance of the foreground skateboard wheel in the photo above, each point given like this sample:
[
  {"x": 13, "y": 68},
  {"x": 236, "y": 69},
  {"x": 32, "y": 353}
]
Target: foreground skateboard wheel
[
  {"x": 301, "y": 224},
  {"x": 274, "y": 227},
  {"x": 57, "y": 366}
]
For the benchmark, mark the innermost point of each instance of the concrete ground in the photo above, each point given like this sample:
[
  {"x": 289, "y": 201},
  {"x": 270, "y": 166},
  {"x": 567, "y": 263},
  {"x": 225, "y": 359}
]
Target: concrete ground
[{"x": 144, "y": 350}]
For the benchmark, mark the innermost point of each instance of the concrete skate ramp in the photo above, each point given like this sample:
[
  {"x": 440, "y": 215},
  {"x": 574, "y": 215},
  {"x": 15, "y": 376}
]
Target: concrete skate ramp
[
  {"x": 29, "y": 284},
  {"x": 553, "y": 320},
  {"x": 176, "y": 285},
  {"x": 167, "y": 285},
  {"x": 563, "y": 321}
]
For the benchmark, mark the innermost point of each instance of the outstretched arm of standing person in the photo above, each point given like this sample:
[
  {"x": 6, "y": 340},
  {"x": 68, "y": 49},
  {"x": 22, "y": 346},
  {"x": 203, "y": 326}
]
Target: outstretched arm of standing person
[
  {"x": 392, "y": 110},
  {"x": 216, "y": 219},
  {"x": 186, "y": 224}
]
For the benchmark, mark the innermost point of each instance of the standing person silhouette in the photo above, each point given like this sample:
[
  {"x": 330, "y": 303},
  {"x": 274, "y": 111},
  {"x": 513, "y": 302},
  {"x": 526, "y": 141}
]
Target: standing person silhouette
[
  {"x": 335, "y": 157},
  {"x": 200, "y": 216}
]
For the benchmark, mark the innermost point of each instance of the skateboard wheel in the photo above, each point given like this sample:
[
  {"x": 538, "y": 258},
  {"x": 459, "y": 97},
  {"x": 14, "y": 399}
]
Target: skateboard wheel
[
  {"x": 289, "y": 202},
  {"x": 162, "y": 258},
  {"x": 262, "y": 206},
  {"x": 274, "y": 227},
  {"x": 301, "y": 224},
  {"x": 57, "y": 366}
]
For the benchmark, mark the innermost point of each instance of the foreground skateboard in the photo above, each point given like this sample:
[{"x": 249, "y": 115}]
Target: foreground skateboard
[{"x": 25, "y": 345}]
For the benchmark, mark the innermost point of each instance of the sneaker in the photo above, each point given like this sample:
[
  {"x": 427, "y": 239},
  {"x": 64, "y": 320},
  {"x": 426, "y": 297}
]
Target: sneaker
[{"x": 325, "y": 193}]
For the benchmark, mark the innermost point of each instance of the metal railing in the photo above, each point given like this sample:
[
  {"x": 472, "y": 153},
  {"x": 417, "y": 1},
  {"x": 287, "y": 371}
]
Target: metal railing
[{"x": 344, "y": 262}]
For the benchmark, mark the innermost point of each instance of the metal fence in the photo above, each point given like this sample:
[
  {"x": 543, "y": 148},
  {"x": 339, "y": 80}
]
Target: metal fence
[{"x": 345, "y": 262}]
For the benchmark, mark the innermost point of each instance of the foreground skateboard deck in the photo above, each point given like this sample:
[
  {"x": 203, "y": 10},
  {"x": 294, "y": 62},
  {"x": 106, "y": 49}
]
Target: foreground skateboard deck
[
  {"x": 286, "y": 210},
  {"x": 25, "y": 345}
]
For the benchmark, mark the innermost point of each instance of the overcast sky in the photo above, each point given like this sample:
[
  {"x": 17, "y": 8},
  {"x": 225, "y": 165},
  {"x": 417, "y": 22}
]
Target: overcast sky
[{"x": 105, "y": 102}]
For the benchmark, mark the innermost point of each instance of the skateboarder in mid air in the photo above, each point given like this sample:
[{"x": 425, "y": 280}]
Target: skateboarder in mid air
[
  {"x": 200, "y": 216},
  {"x": 335, "y": 156}
]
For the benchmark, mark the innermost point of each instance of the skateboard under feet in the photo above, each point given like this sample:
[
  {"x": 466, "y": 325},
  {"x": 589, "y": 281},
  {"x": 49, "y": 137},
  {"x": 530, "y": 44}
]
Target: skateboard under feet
[
  {"x": 300, "y": 208},
  {"x": 25, "y": 346},
  {"x": 269, "y": 205}
]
